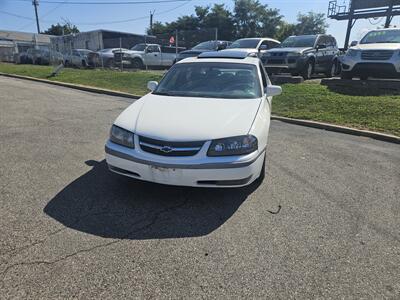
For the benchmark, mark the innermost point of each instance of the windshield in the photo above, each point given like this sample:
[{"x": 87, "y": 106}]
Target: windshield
[
  {"x": 299, "y": 41},
  {"x": 211, "y": 80},
  {"x": 382, "y": 36},
  {"x": 210, "y": 45},
  {"x": 244, "y": 43},
  {"x": 139, "y": 47}
]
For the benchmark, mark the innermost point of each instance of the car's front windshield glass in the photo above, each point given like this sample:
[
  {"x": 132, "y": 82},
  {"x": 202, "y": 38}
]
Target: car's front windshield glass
[
  {"x": 299, "y": 41},
  {"x": 139, "y": 47},
  {"x": 211, "y": 80},
  {"x": 210, "y": 45},
  {"x": 244, "y": 43},
  {"x": 382, "y": 36}
]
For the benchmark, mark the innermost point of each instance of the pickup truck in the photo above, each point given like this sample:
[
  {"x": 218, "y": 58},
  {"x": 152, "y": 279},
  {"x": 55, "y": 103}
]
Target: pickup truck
[{"x": 150, "y": 55}]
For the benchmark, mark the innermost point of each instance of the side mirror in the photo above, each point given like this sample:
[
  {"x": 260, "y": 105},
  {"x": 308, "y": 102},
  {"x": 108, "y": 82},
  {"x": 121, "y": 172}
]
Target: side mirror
[
  {"x": 148, "y": 50},
  {"x": 354, "y": 43},
  {"x": 263, "y": 48},
  {"x": 152, "y": 85},
  {"x": 273, "y": 90}
]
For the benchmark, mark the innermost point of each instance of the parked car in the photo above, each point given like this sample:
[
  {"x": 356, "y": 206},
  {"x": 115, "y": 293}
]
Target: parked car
[
  {"x": 206, "y": 124},
  {"x": 22, "y": 58},
  {"x": 376, "y": 55},
  {"x": 106, "y": 56},
  {"x": 38, "y": 56},
  {"x": 253, "y": 46},
  {"x": 304, "y": 55},
  {"x": 151, "y": 55},
  {"x": 82, "y": 58},
  {"x": 203, "y": 47}
]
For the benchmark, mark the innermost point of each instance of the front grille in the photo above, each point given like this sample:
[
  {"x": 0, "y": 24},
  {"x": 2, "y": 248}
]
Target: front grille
[
  {"x": 118, "y": 56},
  {"x": 166, "y": 148},
  {"x": 377, "y": 54},
  {"x": 276, "y": 61}
]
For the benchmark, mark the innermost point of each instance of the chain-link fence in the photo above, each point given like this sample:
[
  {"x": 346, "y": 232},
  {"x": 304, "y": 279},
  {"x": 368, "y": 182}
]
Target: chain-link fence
[{"x": 114, "y": 50}]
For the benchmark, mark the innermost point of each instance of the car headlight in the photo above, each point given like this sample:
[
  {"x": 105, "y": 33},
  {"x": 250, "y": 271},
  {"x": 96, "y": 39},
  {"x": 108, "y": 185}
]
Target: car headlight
[
  {"x": 252, "y": 54},
  {"x": 352, "y": 53},
  {"x": 294, "y": 54},
  {"x": 121, "y": 136},
  {"x": 238, "y": 145}
]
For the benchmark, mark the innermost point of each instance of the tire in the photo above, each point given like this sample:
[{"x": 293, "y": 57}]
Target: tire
[
  {"x": 332, "y": 70},
  {"x": 346, "y": 76},
  {"x": 137, "y": 63},
  {"x": 84, "y": 64},
  {"x": 308, "y": 70}
]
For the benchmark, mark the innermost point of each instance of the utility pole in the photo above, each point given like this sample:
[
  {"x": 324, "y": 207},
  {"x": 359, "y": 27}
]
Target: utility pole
[
  {"x": 349, "y": 26},
  {"x": 151, "y": 21},
  {"x": 35, "y": 3},
  {"x": 389, "y": 15}
]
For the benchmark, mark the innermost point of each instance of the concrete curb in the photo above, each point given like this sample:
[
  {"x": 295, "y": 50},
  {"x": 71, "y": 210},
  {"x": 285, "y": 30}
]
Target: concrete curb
[
  {"x": 74, "y": 86},
  {"x": 341, "y": 129},
  {"x": 319, "y": 125}
]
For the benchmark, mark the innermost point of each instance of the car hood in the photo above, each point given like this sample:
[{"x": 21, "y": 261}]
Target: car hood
[
  {"x": 193, "y": 52},
  {"x": 386, "y": 46},
  {"x": 189, "y": 119},
  {"x": 291, "y": 50}
]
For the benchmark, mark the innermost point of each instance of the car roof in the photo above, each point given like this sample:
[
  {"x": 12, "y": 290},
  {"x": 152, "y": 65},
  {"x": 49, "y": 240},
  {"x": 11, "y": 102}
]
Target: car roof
[{"x": 219, "y": 56}]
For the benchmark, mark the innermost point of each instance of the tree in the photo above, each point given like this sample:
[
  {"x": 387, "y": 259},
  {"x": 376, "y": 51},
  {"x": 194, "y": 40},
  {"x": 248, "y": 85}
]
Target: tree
[
  {"x": 217, "y": 17},
  {"x": 285, "y": 30},
  {"x": 253, "y": 19},
  {"x": 59, "y": 29},
  {"x": 311, "y": 23}
]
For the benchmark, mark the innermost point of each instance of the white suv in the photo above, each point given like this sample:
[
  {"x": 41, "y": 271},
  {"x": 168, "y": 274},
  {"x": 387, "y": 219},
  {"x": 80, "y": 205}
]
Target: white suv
[
  {"x": 376, "y": 55},
  {"x": 206, "y": 124}
]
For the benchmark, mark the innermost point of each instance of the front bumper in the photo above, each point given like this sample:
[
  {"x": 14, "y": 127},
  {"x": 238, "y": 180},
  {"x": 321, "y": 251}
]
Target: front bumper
[
  {"x": 195, "y": 171},
  {"x": 375, "y": 68},
  {"x": 291, "y": 64}
]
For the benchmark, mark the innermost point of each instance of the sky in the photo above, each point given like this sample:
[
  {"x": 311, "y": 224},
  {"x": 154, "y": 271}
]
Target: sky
[{"x": 19, "y": 15}]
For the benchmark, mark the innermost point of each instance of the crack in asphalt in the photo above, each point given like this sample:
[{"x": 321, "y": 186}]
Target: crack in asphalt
[
  {"x": 355, "y": 214},
  {"x": 40, "y": 262}
]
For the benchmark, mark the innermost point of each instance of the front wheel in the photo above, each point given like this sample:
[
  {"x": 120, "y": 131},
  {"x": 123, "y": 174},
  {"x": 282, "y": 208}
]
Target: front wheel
[
  {"x": 137, "y": 64},
  {"x": 308, "y": 70},
  {"x": 346, "y": 76},
  {"x": 332, "y": 70}
]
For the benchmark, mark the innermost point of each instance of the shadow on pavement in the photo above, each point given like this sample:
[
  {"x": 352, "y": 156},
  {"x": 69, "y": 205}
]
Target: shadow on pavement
[{"x": 112, "y": 206}]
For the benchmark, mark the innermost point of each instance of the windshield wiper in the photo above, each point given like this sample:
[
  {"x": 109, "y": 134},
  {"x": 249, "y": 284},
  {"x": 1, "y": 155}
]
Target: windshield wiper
[{"x": 162, "y": 93}]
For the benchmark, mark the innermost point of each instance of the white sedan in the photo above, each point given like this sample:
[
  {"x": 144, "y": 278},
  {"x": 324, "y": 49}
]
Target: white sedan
[{"x": 205, "y": 124}]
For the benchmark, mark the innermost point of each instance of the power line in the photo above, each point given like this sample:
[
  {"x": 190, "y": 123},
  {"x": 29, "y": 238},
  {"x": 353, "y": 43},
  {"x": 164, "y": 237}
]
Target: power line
[
  {"x": 95, "y": 23},
  {"x": 107, "y": 3}
]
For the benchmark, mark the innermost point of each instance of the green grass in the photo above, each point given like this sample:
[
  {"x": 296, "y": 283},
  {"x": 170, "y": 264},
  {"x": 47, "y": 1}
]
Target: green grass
[
  {"x": 129, "y": 82},
  {"x": 318, "y": 103},
  {"x": 303, "y": 101}
]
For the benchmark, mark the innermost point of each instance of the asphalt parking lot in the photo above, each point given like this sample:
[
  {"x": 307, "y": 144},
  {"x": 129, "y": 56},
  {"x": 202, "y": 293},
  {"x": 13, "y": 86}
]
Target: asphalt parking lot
[{"x": 324, "y": 224}]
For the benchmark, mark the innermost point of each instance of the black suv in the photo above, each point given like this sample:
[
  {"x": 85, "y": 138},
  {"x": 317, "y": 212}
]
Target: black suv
[{"x": 304, "y": 55}]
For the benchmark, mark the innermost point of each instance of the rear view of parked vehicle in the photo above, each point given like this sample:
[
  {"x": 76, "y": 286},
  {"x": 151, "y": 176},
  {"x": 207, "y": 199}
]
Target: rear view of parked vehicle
[
  {"x": 376, "y": 55},
  {"x": 304, "y": 55}
]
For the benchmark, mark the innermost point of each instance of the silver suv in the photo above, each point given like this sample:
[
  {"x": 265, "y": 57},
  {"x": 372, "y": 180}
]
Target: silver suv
[{"x": 376, "y": 55}]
